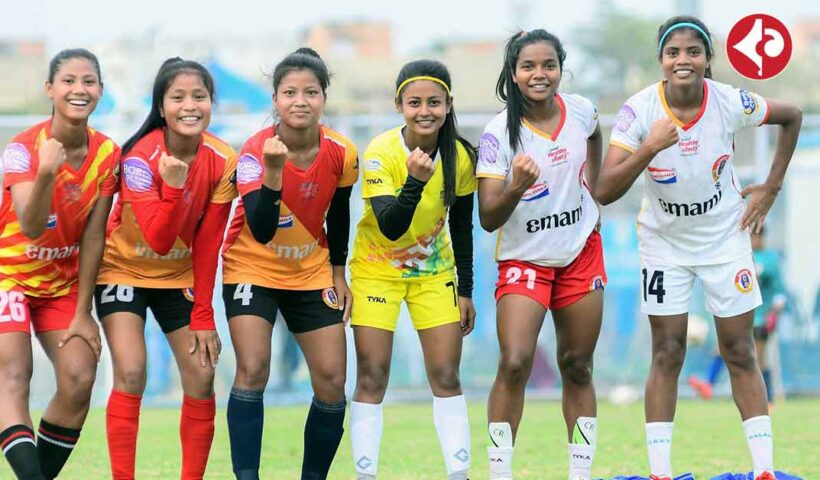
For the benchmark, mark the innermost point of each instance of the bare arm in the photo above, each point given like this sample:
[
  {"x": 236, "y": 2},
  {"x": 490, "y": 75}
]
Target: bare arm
[{"x": 593, "y": 160}]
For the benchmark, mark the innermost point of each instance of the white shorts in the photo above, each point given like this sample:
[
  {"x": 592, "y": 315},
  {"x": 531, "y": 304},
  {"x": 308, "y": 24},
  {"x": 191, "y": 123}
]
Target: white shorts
[{"x": 730, "y": 288}]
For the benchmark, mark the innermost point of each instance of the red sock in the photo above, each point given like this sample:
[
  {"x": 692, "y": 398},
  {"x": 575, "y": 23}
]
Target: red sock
[
  {"x": 122, "y": 422},
  {"x": 196, "y": 431}
]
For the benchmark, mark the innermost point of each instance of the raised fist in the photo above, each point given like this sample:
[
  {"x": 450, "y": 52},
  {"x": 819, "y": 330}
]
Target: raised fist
[
  {"x": 173, "y": 171},
  {"x": 420, "y": 166},
  {"x": 52, "y": 156},
  {"x": 274, "y": 153}
]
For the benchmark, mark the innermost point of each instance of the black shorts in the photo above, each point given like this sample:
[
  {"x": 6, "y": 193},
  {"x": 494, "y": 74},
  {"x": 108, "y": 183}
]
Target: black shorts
[
  {"x": 761, "y": 333},
  {"x": 170, "y": 306},
  {"x": 303, "y": 310}
]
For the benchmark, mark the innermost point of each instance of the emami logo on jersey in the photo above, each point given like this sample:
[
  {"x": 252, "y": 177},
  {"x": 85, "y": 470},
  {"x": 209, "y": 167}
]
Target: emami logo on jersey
[
  {"x": 744, "y": 281},
  {"x": 748, "y": 101},
  {"x": 286, "y": 221},
  {"x": 718, "y": 167},
  {"x": 52, "y": 221},
  {"x": 539, "y": 190},
  {"x": 663, "y": 175}
]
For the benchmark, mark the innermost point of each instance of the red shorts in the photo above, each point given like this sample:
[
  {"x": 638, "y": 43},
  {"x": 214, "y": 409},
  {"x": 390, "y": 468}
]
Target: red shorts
[
  {"x": 20, "y": 312},
  {"x": 555, "y": 287}
]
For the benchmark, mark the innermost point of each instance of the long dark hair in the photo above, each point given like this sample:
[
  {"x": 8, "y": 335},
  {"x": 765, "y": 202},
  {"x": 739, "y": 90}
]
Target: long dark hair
[
  {"x": 68, "y": 54},
  {"x": 506, "y": 89},
  {"x": 165, "y": 77},
  {"x": 663, "y": 34},
  {"x": 448, "y": 134}
]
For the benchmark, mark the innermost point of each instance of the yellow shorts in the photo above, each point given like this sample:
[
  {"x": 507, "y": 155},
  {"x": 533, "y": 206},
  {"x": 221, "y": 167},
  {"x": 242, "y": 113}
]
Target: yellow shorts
[{"x": 432, "y": 301}]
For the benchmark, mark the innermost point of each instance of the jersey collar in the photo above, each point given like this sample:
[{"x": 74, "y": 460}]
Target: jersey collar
[
  {"x": 678, "y": 122},
  {"x": 554, "y": 135}
]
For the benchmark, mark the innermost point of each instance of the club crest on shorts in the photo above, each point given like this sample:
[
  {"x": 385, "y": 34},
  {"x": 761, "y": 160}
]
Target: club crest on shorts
[
  {"x": 744, "y": 281},
  {"x": 188, "y": 293},
  {"x": 597, "y": 282},
  {"x": 330, "y": 297}
]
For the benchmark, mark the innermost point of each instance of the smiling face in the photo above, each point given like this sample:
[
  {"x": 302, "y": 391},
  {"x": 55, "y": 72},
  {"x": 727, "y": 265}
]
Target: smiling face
[
  {"x": 538, "y": 71},
  {"x": 299, "y": 99},
  {"x": 684, "y": 58},
  {"x": 76, "y": 89},
  {"x": 186, "y": 105},
  {"x": 425, "y": 105}
]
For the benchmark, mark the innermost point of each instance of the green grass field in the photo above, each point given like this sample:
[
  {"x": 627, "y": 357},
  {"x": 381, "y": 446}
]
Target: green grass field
[{"x": 708, "y": 441}]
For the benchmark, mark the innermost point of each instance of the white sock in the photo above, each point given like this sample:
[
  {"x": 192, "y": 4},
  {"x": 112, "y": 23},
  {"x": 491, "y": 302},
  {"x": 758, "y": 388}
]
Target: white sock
[
  {"x": 758, "y": 432},
  {"x": 659, "y": 447},
  {"x": 366, "y": 422},
  {"x": 582, "y": 448},
  {"x": 502, "y": 452},
  {"x": 453, "y": 428}
]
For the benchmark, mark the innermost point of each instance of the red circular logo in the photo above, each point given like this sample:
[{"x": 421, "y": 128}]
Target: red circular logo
[{"x": 759, "y": 46}]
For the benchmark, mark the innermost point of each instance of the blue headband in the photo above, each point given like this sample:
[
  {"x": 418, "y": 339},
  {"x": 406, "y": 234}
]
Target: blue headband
[{"x": 684, "y": 25}]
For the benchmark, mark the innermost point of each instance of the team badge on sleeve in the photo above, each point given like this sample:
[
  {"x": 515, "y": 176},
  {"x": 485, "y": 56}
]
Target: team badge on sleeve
[
  {"x": 488, "y": 148},
  {"x": 248, "y": 169},
  {"x": 16, "y": 158},
  {"x": 330, "y": 297},
  {"x": 744, "y": 281},
  {"x": 137, "y": 174}
]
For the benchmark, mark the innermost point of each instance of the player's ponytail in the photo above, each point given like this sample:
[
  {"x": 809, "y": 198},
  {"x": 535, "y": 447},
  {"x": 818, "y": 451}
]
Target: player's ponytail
[
  {"x": 448, "y": 135},
  {"x": 165, "y": 77},
  {"x": 302, "y": 59},
  {"x": 693, "y": 24},
  {"x": 507, "y": 90}
]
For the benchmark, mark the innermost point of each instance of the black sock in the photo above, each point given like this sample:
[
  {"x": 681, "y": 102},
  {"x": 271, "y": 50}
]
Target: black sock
[
  {"x": 18, "y": 445},
  {"x": 246, "y": 415},
  {"x": 323, "y": 432},
  {"x": 54, "y": 445}
]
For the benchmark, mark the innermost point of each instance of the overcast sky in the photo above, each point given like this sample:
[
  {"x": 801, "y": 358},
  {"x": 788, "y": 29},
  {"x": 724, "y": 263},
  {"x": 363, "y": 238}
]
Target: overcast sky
[{"x": 416, "y": 22}]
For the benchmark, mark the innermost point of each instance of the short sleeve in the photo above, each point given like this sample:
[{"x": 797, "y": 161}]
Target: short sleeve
[
  {"x": 627, "y": 132},
  {"x": 19, "y": 164},
  {"x": 378, "y": 177},
  {"x": 110, "y": 183},
  {"x": 742, "y": 108},
  {"x": 225, "y": 190},
  {"x": 249, "y": 169},
  {"x": 465, "y": 181},
  {"x": 140, "y": 177},
  {"x": 592, "y": 118},
  {"x": 493, "y": 157},
  {"x": 350, "y": 171}
]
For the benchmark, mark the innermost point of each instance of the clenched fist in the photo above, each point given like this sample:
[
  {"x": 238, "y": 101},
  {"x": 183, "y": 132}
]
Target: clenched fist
[
  {"x": 173, "y": 171},
  {"x": 524, "y": 173},
  {"x": 274, "y": 153},
  {"x": 52, "y": 155},
  {"x": 420, "y": 166},
  {"x": 663, "y": 134}
]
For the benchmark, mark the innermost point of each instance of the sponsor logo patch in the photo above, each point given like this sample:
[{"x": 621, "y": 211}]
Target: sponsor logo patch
[
  {"x": 248, "y": 169},
  {"x": 624, "y": 118},
  {"x": 718, "y": 167},
  {"x": 52, "y": 221},
  {"x": 663, "y": 175},
  {"x": 488, "y": 147},
  {"x": 137, "y": 174},
  {"x": 16, "y": 158},
  {"x": 538, "y": 190},
  {"x": 286, "y": 221},
  {"x": 372, "y": 165}
]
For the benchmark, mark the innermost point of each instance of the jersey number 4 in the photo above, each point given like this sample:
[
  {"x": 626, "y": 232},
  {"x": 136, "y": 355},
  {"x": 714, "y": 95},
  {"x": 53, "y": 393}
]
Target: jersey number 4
[{"x": 655, "y": 286}]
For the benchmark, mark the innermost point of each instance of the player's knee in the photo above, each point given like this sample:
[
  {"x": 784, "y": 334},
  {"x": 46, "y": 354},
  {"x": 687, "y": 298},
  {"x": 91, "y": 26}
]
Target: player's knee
[
  {"x": 252, "y": 374},
  {"x": 445, "y": 380},
  {"x": 130, "y": 380},
  {"x": 198, "y": 382},
  {"x": 329, "y": 386},
  {"x": 372, "y": 379},
  {"x": 575, "y": 369},
  {"x": 76, "y": 382},
  {"x": 515, "y": 369},
  {"x": 739, "y": 353},
  {"x": 669, "y": 355},
  {"x": 15, "y": 380}
]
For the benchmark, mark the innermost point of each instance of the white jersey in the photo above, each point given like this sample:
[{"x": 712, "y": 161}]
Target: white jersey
[
  {"x": 692, "y": 205},
  {"x": 551, "y": 223}
]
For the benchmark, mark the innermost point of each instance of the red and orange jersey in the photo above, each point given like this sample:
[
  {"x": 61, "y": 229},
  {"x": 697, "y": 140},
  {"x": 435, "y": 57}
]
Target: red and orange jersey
[
  {"x": 297, "y": 257},
  {"x": 128, "y": 257},
  {"x": 47, "y": 266}
]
